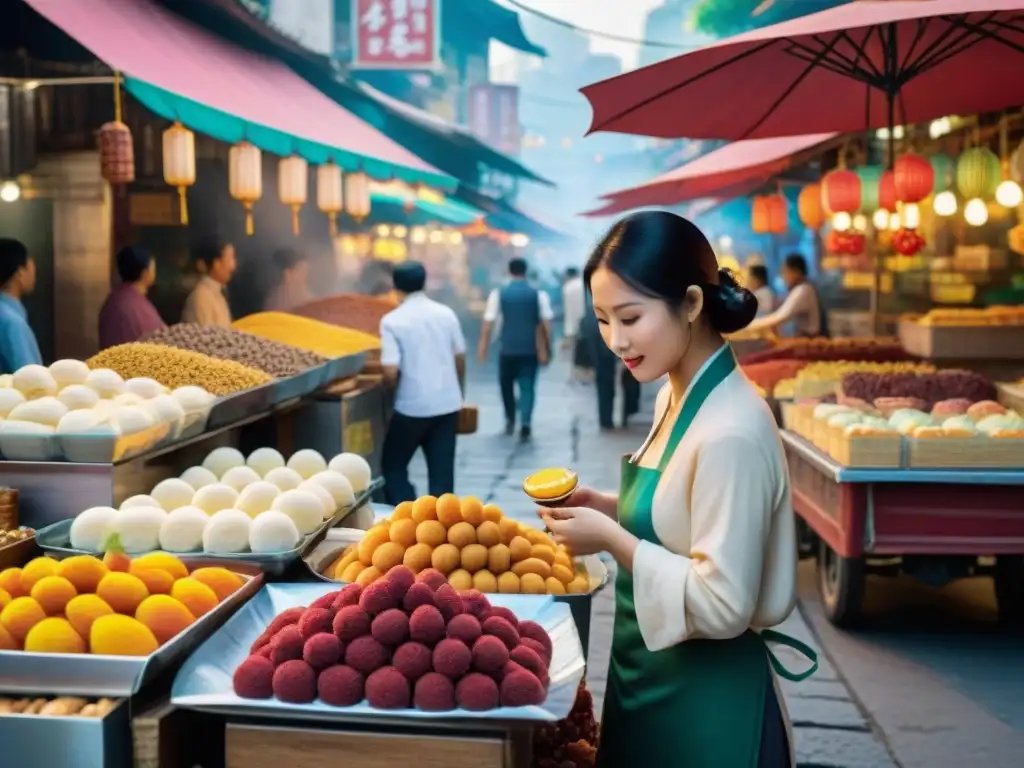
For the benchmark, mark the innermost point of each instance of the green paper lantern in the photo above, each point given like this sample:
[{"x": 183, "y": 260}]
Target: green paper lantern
[
  {"x": 942, "y": 164},
  {"x": 978, "y": 172},
  {"x": 870, "y": 176}
]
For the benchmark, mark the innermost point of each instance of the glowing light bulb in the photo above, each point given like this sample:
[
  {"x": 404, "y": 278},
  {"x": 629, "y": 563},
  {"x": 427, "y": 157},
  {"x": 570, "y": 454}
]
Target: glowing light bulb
[
  {"x": 894, "y": 222},
  {"x": 841, "y": 221},
  {"x": 455, "y": 238},
  {"x": 725, "y": 242},
  {"x": 1008, "y": 194},
  {"x": 10, "y": 192},
  {"x": 519, "y": 240},
  {"x": 399, "y": 231},
  {"x": 419, "y": 235},
  {"x": 944, "y": 203},
  {"x": 880, "y": 218},
  {"x": 383, "y": 231},
  {"x": 976, "y": 212},
  {"x": 911, "y": 216},
  {"x": 860, "y": 222}
]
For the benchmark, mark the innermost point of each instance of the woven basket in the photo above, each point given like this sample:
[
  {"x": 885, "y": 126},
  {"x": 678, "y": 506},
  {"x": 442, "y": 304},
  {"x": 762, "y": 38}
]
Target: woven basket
[{"x": 349, "y": 310}]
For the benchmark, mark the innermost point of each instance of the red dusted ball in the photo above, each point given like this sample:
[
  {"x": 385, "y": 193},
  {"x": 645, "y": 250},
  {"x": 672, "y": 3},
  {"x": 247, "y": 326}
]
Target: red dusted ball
[
  {"x": 465, "y": 628},
  {"x": 295, "y": 682},
  {"x": 254, "y": 678},
  {"x": 349, "y": 595},
  {"x": 378, "y": 597},
  {"x": 535, "y": 631},
  {"x": 283, "y": 619},
  {"x": 509, "y": 668},
  {"x": 522, "y": 689},
  {"x": 540, "y": 650},
  {"x": 452, "y": 658},
  {"x": 433, "y": 578},
  {"x": 287, "y": 645},
  {"x": 449, "y": 602},
  {"x": 418, "y": 594},
  {"x": 477, "y": 693},
  {"x": 322, "y": 650},
  {"x": 391, "y": 628},
  {"x": 413, "y": 660},
  {"x": 426, "y": 625},
  {"x": 400, "y": 578},
  {"x": 476, "y": 603},
  {"x": 266, "y": 652},
  {"x": 434, "y": 693},
  {"x": 261, "y": 642},
  {"x": 314, "y": 621},
  {"x": 502, "y": 630},
  {"x": 365, "y": 655},
  {"x": 351, "y": 622},
  {"x": 326, "y": 602},
  {"x": 531, "y": 661},
  {"x": 489, "y": 654},
  {"x": 340, "y": 686},
  {"x": 387, "y": 688},
  {"x": 505, "y": 613}
]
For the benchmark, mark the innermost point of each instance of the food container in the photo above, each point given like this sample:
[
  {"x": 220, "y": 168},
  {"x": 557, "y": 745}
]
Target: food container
[
  {"x": 17, "y": 446},
  {"x": 58, "y": 741},
  {"x": 70, "y": 674},
  {"x": 205, "y": 681},
  {"x": 102, "y": 448},
  {"x": 867, "y": 451},
  {"x": 979, "y": 452},
  {"x": 241, "y": 405},
  {"x": 300, "y": 385},
  {"x": 344, "y": 367}
]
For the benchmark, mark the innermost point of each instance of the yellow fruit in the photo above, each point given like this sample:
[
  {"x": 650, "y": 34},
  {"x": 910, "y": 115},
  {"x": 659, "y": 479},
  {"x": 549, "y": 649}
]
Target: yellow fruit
[
  {"x": 402, "y": 512},
  {"x": 403, "y": 532},
  {"x": 462, "y": 535},
  {"x": 5, "y": 598},
  {"x": 335, "y": 571},
  {"x": 53, "y": 593},
  {"x": 373, "y": 538},
  {"x": 460, "y": 579},
  {"x": 543, "y": 552},
  {"x": 499, "y": 559},
  {"x": 445, "y": 558},
  {"x": 509, "y": 529},
  {"x": 388, "y": 555},
  {"x": 580, "y": 585},
  {"x": 223, "y": 582},
  {"x": 35, "y": 570},
  {"x": 474, "y": 557},
  {"x": 158, "y": 582},
  {"x": 165, "y": 617},
  {"x": 431, "y": 532},
  {"x": 538, "y": 537},
  {"x": 424, "y": 508},
  {"x": 563, "y": 559},
  {"x": 83, "y": 610},
  {"x": 492, "y": 513},
  {"x": 488, "y": 533},
  {"x": 20, "y": 615},
  {"x": 367, "y": 576},
  {"x": 485, "y": 581},
  {"x": 54, "y": 636},
  {"x": 352, "y": 571},
  {"x": 7, "y": 641},
  {"x": 163, "y": 561},
  {"x": 449, "y": 510},
  {"x": 10, "y": 582},
  {"x": 122, "y": 592},
  {"x": 550, "y": 483},
  {"x": 472, "y": 510},
  {"x": 532, "y": 584},
  {"x": 554, "y": 586},
  {"x": 532, "y": 565},
  {"x": 563, "y": 574},
  {"x": 417, "y": 557},
  {"x": 520, "y": 549},
  {"x": 508, "y": 583},
  {"x": 116, "y": 635},
  {"x": 194, "y": 595},
  {"x": 84, "y": 571}
]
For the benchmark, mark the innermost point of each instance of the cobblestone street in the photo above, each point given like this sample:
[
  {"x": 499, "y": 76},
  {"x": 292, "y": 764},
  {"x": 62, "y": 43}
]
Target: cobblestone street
[{"x": 831, "y": 729}]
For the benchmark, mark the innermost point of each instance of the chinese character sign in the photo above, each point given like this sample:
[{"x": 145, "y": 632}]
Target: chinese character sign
[{"x": 396, "y": 34}]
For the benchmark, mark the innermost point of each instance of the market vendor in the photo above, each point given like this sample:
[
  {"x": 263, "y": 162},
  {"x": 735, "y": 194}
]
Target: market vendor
[
  {"x": 127, "y": 315},
  {"x": 702, "y": 526},
  {"x": 802, "y": 306},
  {"x": 207, "y": 304},
  {"x": 292, "y": 283},
  {"x": 18, "y": 345}
]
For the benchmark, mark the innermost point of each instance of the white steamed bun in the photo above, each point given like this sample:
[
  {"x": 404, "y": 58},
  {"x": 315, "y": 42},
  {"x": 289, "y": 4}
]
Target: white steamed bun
[
  {"x": 139, "y": 528},
  {"x": 355, "y": 469},
  {"x": 273, "y": 532},
  {"x": 262, "y": 460},
  {"x": 302, "y": 507},
  {"x": 173, "y": 493},
  {"x": 90, "y": 529},
  {"x": 240, "y": 477},
  {"x": 307, "y": 463},
  {"x": 337, "y": 485},
  {"x": 257, "y": 498},
  {"x": 214, "y": 498},
  {"x": 220, "y": 460},
  {"x": 199, "y": 477},
  {"x": 284, "y": 478},
  {"x": 182, "y": 530},
  {"x": 227, "y": 532}
]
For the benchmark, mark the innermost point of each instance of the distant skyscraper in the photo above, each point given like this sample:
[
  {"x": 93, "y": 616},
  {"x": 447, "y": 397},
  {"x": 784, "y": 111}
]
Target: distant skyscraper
[{"x": 670, "y": 23}]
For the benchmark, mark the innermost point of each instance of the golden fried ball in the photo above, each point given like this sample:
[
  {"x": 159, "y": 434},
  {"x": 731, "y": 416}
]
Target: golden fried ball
[
  {"x": 509, "y": 529},
  {"x": 460, "y": 579},
  {"x": 508, "y": 583},
  {"x": 403, "y": 511},
  {"x": 488, "y": 533},
  {"x": 351, "y": 573},
  {"x": 474, "y": 557},
  {"x": 520, "y": 549},
  {"x": 532, "y": 565},
  {"x": 563, "y": 574},
  {"x": 562, "y": 558},
  {"x": 387, "y": 556},
  {"x": 485, "y": 581},
  {"x": 424, "y": 508},
  {"x": 580, "y": 585},
  {"x": 532, "y": 584},
  {"x": 403, "y": 532},
  {"x": 446, "y": 558},
  {"x": 431, "y": 533},
  {"x": 492, "y": 513},
  {"x": 368, "y": 576},
  {"x": 372, "y": 539},
  {"x": 462, "y": 535},
  {"x": 472, "y": 510},
  {"x": 538, "y": 537},
  {"x": 499, "y": 559},
  {"x": 449, "y": 510},
  {"x": 543, "y": 552},
  {"x": 417, "y": 557}
]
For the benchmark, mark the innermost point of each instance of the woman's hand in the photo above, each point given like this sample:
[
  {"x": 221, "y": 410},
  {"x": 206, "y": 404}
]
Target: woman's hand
[
  {"x": 605, "y": 503},
  {"x": 584, "y": 531}
]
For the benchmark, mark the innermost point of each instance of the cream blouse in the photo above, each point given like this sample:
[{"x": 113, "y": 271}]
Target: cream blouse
[{"x": 724, "y": 515}]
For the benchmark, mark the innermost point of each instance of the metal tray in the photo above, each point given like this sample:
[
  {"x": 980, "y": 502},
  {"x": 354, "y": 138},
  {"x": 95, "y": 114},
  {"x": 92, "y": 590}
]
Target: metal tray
[
  {"x": 56, "y": 539},
  {"x": 67, "y": 674},
  {"x": 86, "y": 448},
  {"x": 299, "y": 385},
  {"x": 241, "y": 405},
  {"x": 344, "y": 367},
  {"x": 205, "y": 681}
]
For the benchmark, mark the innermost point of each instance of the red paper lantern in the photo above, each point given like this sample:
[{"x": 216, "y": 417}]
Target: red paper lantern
[
  {"x": 840, "y": 191},
  {"x": 887, "y": 196},
  {"x": 759, "y": 215},
  {"x": 769, "y": 215},
  {"x": 809, "y": 207},
  {"x": 914, "y": 178}
]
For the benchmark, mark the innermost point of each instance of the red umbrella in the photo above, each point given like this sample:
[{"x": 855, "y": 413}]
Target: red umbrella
[{"x": 857, "y": 66}]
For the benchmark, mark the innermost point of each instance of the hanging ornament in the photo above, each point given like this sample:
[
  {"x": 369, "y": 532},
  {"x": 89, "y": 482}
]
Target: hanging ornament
[
  {"x": 907, "y": 242},
  {"x": 809, "y": 207},
  {"x": 329, "y": 197},
  {"x": 976, "y": 212},
  {"x": 1008, "y": 194},
  {"x": 293, "y": 185},
  {"x": 245, "y": 178},
  {"x": 179, "y": 155},
  {"x": 357, "y": 195},
  {"x": 887, "y": 197},
  {"x": 880, "y": 219},
  {"x": 978, "y": 172},
  {"x": 944, "y": 203},
  {"x": 913, "y": 177},
  {"x": 759, "y": 215},
  {"x": 117, "y": 150},
  {"x": 778, "y": 213},
  {"x": 869, "y": 176},
  {"x": 840, "y": 191},
  {"x": 943, "y": 169},
  {"x": 841, "y": 222}
]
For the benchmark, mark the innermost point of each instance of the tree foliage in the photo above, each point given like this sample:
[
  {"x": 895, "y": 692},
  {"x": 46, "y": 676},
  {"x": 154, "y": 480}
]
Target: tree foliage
[{"x": 723, "y": 18}]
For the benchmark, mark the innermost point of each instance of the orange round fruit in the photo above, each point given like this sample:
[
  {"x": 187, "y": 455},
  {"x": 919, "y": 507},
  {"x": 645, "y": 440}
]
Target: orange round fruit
[
  {"x": 84, "y": 571},
  {"x": 223, "y": 582},
  {"x": 163, "y": 561},
  {"x": 373, "y": 538},
  {"x": 165, "y": 617},
  {"x": 388, "y": 555},
  {"x": 352, "y": 571},
  {"x": 488, "y": 533},
  {"x": 10, "y": 582},
  {"x": 508, "y": 583},
  {"x": 462, "y": 535},
  {"x": 424, "y": 508},
  {"x": 117, "y": 635},
  {"x": 54, "y": 635},
  {"x": 431, "y": 532},
  {"x": 368, "y": 575},
  {"x": 509, "y": 529},
  {"x": 122, "y": 592},
  {"x": 417, "y": 557},
  {"x": 445, "y": 558},
  {"x": 5, "y": 598},
  {"x": 402, "y": 511},
  {"x": 472, "y": 510},
  {"x": 20, "y": 615},
  {"x": 460, "y": 579},
  {"x": 449, "y": 510},
  {"x": 492, "y": 513},
  {"x": 7, "y": 641},
  {"x": 157, "y": 581},
  {"x": 403, "y": 532},
  {"x": 194, "y": 595},
  {"x": 83, "y": 610},
  {"x": 53, "y": 593},
  {"x": 35, "y": 570}
]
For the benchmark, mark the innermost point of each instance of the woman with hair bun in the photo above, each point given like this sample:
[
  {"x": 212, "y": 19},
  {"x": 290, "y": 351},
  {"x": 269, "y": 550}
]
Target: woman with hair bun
[{"x": 702, "y": 526}]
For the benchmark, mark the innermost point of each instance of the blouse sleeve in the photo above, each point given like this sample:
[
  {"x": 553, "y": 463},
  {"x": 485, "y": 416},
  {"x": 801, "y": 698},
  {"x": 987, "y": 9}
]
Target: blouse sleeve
[{"x": 713, "y": 593}]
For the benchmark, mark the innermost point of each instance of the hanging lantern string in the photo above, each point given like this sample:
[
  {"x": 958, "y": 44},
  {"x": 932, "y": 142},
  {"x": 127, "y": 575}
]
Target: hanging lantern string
[{"x": 117, "y": 96}]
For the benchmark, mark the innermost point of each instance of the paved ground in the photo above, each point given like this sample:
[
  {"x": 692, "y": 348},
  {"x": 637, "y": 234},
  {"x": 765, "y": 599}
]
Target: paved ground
[{"x": 831, "y": 729}]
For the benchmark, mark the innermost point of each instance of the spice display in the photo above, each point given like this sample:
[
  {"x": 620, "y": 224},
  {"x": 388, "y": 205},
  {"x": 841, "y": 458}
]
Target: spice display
[
  {"x": 65, "y": 706},
  {"x": 178, "y": 367},
  {"x": 402, "y": 642},
  {"x": 769, "y": 373},
  {"x": 114, "y": 606},
  {"x": 572, "y": 742},
  {"x": 868, "y": 349},
  {"x": 304, "y": 333},
  {"x": 271, "y": 357},
  {"x": 349, "y": 310},
  {"x": 466, "y": 543},
  {"x": 929, "y": 388}
]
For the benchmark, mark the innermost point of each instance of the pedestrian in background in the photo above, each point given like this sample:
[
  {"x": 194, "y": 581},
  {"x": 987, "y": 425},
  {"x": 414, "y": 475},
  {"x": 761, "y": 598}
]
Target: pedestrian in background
[
  {"x": 759, "y": 284},
  {"x": 802, "y": 307},
  {"x": 524, "y": 316},
  {"x": 423, "y": 354},
  {"x": 573, "y": 306},
  {"x": 18, "y": 344},
  {"x": 127, "y": 315},
  {"x": 207, "y": 304}
]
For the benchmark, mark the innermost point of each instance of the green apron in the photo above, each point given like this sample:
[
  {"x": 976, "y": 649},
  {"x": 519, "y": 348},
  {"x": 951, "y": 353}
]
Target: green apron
[{"x": 699, "y": 703}]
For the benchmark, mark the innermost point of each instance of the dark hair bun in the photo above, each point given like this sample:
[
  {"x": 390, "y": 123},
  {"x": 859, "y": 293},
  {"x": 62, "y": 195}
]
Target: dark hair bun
[{"x": 729, "y": 307}]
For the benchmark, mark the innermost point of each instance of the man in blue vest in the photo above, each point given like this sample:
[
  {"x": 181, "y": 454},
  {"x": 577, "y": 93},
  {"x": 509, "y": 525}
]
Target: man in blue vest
[{"x": 523, "y": 315}]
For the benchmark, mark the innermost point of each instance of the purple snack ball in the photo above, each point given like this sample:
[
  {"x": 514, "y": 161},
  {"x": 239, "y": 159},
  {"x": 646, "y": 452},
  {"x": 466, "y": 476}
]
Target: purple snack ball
[
  {"x": 502, "y": 630},
  {"x": 413, "y": 660},
  {"x": 254, "y": 678},
  {"x": 366, "y": 655},
  {"x": 477, "y": 693},
  {"x": 434, "y": 693},
  {"x": 387, "y": 688},
  {"x": 295, "y": 682},
  {"x": 322, "y": 650},
  {"x": 426, "y": 625},
  {"x": 466, "y": 628},
  {"x": 489, "y": 654},
  {"x": 351, "y": 622},
  {"x": 340, "y": 686},
  {"x": 418, "y": 594},
  {"x": 452, "y": 658},
  {"x": 391, "y": 628}
]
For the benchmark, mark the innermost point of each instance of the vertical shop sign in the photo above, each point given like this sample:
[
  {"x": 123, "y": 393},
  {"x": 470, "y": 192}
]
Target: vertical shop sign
[
  {"x": 396, "y": 34},
  {"x": 506, "y": 99},
  {"x": 481, "y": 112}
]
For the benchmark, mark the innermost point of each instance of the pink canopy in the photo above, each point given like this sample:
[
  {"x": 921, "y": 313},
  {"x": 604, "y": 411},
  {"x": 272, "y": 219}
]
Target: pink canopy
[
  {"x": 145, "y": 41},
  {"x": 731, "y": 171},
  {"x": 866, "y": 64}
]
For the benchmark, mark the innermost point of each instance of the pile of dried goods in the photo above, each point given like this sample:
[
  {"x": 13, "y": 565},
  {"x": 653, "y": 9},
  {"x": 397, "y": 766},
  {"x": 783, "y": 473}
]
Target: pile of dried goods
[
  {"x": 311, "y": 335},
  {"x": 178, "y": 368},
  {"x": 930, "y": 388},
  {"x": 349, "y": 310},
  {"x": 876, "y": 350}
]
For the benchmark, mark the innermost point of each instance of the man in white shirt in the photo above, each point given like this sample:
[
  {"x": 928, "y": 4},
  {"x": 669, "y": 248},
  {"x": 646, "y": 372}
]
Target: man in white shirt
[
  {"x": 802, "y": 305},
  {"x": 207, "y": 304},
  {"x": 573, "y": 305},
  {"x": 423, "y": 354}
]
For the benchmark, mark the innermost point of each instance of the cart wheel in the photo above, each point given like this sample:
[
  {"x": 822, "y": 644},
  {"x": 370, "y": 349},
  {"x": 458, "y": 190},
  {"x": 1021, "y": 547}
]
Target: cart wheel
[
  {"x": 806, "y": 544},
  {"x": 1008, "y": 581},
  {"x": 841, "y": 585}
]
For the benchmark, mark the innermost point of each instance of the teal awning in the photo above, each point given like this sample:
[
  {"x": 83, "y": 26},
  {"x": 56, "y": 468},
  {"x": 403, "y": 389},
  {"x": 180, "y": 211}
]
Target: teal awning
[{"x": 393, "y": 208}]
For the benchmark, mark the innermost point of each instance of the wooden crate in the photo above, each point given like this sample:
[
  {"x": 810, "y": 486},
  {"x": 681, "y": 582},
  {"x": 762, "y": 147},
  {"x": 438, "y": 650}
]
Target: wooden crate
[
  {"x": 965, "y": 453},
  {"x": 942, "y": 342},
  {"x": 867, "y": 451}
]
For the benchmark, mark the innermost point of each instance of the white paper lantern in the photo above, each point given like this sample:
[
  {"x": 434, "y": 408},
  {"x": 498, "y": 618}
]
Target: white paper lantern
[
  {"x": 293, "y": 185},
  {"x": 179, "y": 155},
  {"x": 1008, "y": 194},
  {"x": 880, "y": 219},
  {"x": 329, "y": 197},
  {"x": 357, "y": 196},
  {"x": 910, "y": 215},
  {"x": 976, "y": 212},
  {"x": 245, "y": 178},
  {"x": 944, "y": 203}
]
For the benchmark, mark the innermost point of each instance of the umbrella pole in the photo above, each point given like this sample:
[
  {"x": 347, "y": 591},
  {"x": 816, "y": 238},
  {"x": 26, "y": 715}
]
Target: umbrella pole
[{"x": 876, "y": 278}]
